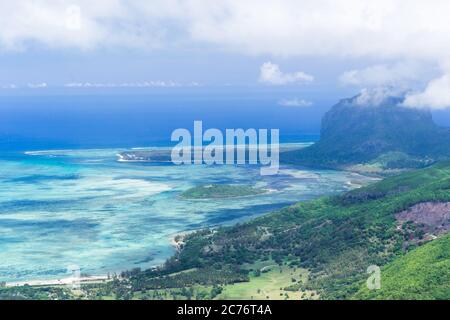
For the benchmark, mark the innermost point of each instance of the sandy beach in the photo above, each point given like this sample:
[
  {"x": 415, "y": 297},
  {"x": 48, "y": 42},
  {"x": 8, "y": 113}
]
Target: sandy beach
[
  {"x": 63, "y": 281},
  {"x": 176, "y": 240}
]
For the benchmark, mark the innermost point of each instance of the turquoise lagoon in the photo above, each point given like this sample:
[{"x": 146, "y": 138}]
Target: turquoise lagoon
[{"x": 83, "y": 207}]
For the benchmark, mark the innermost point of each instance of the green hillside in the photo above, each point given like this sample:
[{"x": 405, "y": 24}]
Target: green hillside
[
  {"x": 423, "y": 273},
  {"x": 334, "y": 238}
]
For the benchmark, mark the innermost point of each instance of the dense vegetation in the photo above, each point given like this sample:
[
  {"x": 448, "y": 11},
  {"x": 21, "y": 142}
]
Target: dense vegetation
[
  {"x": 220, "y": 191},
  {"x": 423, "y": 273},
  {"x": 35, "y": 293}
]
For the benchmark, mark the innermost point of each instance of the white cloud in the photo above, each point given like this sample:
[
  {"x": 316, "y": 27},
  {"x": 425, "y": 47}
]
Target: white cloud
[
  {"x": 295, "y": 103},
  {"x": 9, "y": 86},
  {"x": 435, "y": 96},
  {"x": 42, "y": 85},
  {"x": 145, "y": 84},
  {"x": 375, "y": 96},
  {"x": 79, "y": 24},
  {"x": 399, "y": 74},
  {"x": 383, "y": 28},
  {"x": 394, "y": 30},
  {"x": 271, "y": 73}
]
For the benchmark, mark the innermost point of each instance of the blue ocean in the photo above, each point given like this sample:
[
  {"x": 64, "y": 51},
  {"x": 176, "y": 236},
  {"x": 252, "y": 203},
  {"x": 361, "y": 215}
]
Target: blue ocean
[{"x": 65, "y": 199}]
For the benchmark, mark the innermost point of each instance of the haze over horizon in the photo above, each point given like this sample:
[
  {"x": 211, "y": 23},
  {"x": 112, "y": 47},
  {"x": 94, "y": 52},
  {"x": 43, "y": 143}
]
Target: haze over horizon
[{"x": 132, "y": 44}]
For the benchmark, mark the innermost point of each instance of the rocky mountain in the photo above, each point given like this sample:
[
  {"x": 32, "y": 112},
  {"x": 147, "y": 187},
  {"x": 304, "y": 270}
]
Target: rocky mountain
[{"x": 386, "y": 134}]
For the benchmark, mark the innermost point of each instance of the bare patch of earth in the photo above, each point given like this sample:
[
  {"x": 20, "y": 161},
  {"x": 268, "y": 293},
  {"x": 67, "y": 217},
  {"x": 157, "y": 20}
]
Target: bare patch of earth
[{"x": 424, "y": 221}]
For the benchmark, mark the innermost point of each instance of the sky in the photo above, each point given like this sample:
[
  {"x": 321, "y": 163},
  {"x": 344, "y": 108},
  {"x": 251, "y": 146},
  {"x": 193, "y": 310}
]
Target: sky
[{"x": 374, "y": 47}]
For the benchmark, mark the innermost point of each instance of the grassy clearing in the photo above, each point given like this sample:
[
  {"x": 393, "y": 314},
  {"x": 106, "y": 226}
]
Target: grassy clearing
[
  {"x": 268, "y": 281},
  {"x": 270, "y": 284}
]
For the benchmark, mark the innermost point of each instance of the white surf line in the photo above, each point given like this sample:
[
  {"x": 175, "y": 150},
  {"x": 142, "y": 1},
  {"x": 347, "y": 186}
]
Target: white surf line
[{"x": 54, "y": 282}]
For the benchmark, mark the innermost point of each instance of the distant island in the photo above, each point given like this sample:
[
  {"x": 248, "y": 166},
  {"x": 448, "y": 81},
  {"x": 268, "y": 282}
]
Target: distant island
[
  {"x": 163, "y": 154},
  {"x": 215, "y": 191}
]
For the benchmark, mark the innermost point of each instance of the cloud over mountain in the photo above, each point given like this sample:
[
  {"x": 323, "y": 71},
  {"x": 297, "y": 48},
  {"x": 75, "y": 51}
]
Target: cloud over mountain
[
  {"x": 398, "y": 74},
  {"x": 435, "y": 96}
]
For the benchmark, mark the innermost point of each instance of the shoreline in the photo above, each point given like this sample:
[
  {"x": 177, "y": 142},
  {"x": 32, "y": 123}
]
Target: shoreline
[
  {"x": 59, "y": 282},
  {"x": 176, "y": 241}
]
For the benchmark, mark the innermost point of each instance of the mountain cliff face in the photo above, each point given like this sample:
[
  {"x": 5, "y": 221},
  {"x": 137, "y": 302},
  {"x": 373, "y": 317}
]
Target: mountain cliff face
[{"x": 387, "y": 133}]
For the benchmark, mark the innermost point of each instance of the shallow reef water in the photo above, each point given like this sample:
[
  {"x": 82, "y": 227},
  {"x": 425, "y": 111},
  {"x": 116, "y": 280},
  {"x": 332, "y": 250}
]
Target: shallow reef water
[{"x": 83, "y": 207}]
